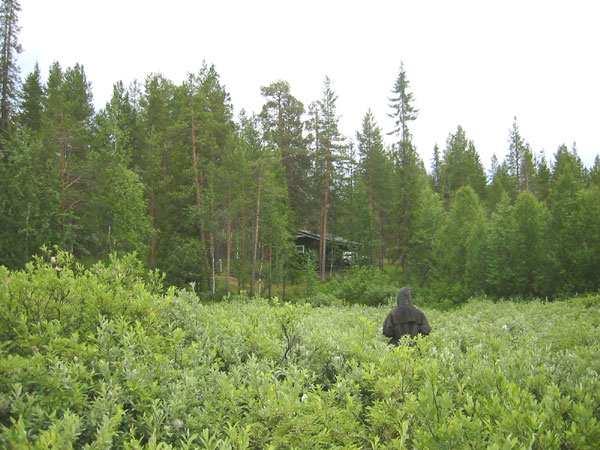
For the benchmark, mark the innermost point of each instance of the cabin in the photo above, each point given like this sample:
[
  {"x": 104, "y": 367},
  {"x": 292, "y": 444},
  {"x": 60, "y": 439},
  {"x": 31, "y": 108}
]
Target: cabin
[{"x": 340, "y": 252}]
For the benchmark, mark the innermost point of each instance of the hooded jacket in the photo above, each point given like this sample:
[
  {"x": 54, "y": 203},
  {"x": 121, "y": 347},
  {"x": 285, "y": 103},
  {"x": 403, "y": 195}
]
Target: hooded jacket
[{"x": 405, "y": 319}]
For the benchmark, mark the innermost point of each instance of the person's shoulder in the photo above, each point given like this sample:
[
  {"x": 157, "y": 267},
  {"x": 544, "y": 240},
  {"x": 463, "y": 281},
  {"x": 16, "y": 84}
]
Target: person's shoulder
[{"x": 405, "y": 308}]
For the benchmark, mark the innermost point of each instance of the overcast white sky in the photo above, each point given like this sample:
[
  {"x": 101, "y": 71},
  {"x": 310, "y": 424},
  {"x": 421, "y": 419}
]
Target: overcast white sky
[{"x": 474, "y": 63}]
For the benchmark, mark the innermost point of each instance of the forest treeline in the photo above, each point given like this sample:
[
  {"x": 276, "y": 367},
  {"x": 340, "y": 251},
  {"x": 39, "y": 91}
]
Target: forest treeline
[{"x": 167, "y": 171}]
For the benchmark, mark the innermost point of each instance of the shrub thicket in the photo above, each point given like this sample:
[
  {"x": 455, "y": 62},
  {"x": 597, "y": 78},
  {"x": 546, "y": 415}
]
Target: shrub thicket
[{"x": 102, "y": 358}]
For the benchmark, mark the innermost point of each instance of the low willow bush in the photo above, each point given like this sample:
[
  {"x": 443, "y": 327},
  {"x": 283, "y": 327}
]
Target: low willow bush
[
  {"x": 102, "y": 358},
  {"x": 361, "y": 285}
]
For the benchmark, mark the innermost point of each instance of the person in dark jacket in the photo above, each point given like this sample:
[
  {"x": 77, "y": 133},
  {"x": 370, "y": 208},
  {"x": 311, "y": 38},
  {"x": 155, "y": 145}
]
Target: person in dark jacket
[{"x": 405, "y": 319}]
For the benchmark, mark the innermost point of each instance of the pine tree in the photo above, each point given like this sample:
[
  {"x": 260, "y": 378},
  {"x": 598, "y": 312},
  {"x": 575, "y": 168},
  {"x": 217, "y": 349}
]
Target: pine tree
[
  {"x": 327, "y": 141},
  {"x": 9, "y": 71},
  {"x": 527, "y": 170},
  {"x": 281, "y": 119},
  {"x": 151, "y": 166}
]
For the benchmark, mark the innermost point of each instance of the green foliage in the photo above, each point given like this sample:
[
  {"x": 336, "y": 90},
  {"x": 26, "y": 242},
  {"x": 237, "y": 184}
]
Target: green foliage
[
  {"x": 461, "y": 166},
  {"x": 459, "y": 271},
  {"x": 427, "y": 224},
  {"x": 519, "y": 259},
  {"x": 127, "y": 366},
  {"x": 362, "y": 285},
  {"x": 165, "y": 171}
]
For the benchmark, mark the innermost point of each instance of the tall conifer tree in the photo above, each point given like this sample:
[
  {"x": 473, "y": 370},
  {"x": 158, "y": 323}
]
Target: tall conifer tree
[
  {"x": 9, "y": 71},
  {"x": 32, "y": 101},
  {"x": 403, "y": 110},
  {"x": 281, "y": 119},
  {"x": 327, "y": 141}
]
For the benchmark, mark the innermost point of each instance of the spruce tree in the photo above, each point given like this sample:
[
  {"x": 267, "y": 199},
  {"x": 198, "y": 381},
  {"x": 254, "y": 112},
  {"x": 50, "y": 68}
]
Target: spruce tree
[
  {"x": 543, "y": 177},
  {"x": 32, "y": 101},
  {"x": 499, "y": 244},
  {"x": 567, "y": 181},
  {"x": 9, "y": 71},
  {"x": 460, "y": 269},
  {"x": 410, "y": 172},
  {"x": 427, "y": 223},
  {"x": 436, "y": 168},
  {"x": 376, "y": 172},
  {"x": 515, "y": 152},
  {"x": 584, "y": 256},
  {"x": 403, "y": 110},
  {"x": 532, "y": 258},
  {"x": 461, "y": 166},
  {"x": 595, "y": 172}
]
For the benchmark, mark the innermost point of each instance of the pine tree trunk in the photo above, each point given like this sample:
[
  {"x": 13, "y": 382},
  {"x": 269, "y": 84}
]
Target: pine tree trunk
[
  {"x": 229, "y": 244},
  {"x": 256, "y": 234},
  {"x": 62, "y": 174},
  {"x": 213, "y": 286},
  {"x": 270, "y": 285},
  {"x": 323, "y": 220},
  {"x": 154, "y": 239},
  {"x": 196, "y": 169},
  {"x": 381, "y": 243},
  {"x": 198, "y": 183}
]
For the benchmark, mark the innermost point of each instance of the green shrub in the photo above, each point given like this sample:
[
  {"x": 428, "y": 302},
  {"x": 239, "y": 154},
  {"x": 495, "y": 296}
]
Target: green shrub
[
  {"x": 118, "y": 363},
  {"x": 322, "y": 299},
  {"x": 361, "y": 285}
]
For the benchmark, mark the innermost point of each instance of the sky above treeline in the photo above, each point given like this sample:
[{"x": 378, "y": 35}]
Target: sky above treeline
[{"x": 473, "y": 63}]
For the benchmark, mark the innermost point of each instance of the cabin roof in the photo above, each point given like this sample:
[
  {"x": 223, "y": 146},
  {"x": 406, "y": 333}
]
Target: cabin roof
[{"x": 329, "y": 238}]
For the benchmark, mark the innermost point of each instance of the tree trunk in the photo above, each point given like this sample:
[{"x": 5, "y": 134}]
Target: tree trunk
[
  {"x": 381, "y": 243},
  {"x": 256, "y": 233},
  {"x": 270, "y": 285},
  {"x": 229, "y": 243},
  {"x": 212, "y": 263},
  {"x": 4, "y": 107},
  {"x": 323, "y": 218},
  {"x": 154, "y": 239},
  {"x": 197, "y": 174},
  {"x": 62, "y": 175}
]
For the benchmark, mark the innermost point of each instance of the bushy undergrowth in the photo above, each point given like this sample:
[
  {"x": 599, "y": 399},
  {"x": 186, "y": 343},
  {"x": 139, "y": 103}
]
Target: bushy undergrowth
[
  {"x": 100, "y": 358},
  {"x": 361, "y": 285}
]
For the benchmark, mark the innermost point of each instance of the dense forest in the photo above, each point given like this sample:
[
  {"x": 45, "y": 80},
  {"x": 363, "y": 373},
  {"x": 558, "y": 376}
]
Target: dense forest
[{"x": 167, "y": 171}]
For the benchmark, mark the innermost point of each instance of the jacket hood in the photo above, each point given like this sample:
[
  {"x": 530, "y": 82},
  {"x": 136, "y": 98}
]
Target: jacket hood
[{"x": 404, "y": 296}]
